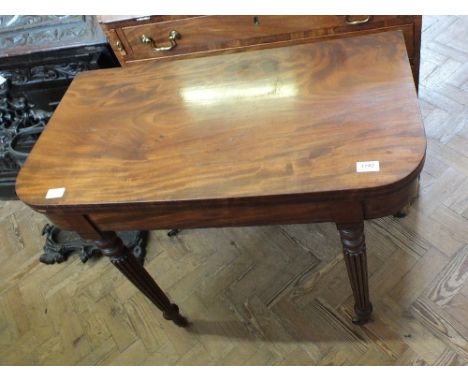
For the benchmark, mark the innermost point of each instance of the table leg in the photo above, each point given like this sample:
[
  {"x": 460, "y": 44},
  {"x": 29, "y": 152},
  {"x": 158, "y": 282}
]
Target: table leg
[
  {"x": 111, "y": 246},
  {"x": 354, "y": 249}
]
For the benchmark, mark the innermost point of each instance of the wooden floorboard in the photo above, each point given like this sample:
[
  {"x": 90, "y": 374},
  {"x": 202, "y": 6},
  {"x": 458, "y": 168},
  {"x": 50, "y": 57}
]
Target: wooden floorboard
[{"x": 268, "y": 295}]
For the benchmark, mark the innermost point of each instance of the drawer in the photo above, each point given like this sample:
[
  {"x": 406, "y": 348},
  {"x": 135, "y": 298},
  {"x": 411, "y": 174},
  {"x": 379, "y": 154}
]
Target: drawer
[{"x": 213, "y": 33}]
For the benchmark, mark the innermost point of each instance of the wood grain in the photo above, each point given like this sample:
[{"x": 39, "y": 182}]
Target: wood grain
[
  {"x": 295, "y": 161},
  {"x": 207, "y": 35},
  {"x": 406, "y": 255},
  {"x": 451, "y": 279},
  {"x": 286, "y": 121}
]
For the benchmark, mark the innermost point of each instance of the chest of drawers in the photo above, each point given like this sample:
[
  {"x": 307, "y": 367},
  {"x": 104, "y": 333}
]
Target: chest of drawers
[{"x": 137, "y": 39}]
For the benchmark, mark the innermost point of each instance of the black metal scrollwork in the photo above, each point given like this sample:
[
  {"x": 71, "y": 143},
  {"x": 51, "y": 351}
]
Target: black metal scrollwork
[
  {"x": 20, "y": 126},
  {"x": 60, "y": 244}
]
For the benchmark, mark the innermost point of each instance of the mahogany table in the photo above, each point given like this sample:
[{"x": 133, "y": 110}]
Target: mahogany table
[{"x": 326, "y": 131}]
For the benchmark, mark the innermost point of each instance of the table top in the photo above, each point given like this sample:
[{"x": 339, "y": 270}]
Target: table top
[{"x": 289, "y": 121}]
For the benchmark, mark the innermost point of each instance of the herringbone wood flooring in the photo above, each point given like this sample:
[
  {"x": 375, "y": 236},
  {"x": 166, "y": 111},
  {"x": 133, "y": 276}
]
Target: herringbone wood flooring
[{"x": 268, "y": 295}]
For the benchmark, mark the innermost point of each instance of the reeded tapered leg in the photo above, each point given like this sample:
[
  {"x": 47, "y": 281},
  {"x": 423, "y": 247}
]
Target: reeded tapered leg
[
  {"x": 111, "y": 246},
  {"x": 354, "y": 249}
]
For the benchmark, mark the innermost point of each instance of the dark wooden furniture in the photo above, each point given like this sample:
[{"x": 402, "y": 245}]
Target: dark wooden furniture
[
  {"x": 137, "y": 39},
  {"x": 273, "y": 136}
]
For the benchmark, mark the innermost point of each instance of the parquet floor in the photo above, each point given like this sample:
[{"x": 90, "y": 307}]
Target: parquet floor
[{"x": 268, "y": 295}]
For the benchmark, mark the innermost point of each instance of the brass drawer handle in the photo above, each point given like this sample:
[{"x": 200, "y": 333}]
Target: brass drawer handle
[
  {"x": 119, "y": 47},
  {"x": 173, "y": 36},
  {"x": 356, "y": 22}
]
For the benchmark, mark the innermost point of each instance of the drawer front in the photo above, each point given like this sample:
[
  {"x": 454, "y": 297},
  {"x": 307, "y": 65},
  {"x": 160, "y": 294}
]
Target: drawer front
[
  {"x": 116, "y": 45},
  {"x": 214, "y": 33}
]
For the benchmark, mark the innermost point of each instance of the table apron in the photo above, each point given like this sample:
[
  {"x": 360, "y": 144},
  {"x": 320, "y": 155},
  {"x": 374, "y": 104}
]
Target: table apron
[{"x": 152, "y": 217}]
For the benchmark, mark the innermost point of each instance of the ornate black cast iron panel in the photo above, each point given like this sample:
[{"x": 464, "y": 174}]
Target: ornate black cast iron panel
[
  {"x": 60, "y": 244},
  {"x": 20, "y": 126}
]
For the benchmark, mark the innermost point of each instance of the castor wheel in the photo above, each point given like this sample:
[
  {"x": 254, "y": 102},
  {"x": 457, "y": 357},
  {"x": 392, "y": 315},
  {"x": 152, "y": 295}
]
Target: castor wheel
[{"x": 173, "y": 232}]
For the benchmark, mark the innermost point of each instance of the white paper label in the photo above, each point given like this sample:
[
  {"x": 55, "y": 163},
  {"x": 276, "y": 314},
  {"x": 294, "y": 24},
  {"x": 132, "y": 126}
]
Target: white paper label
[
  {"x": 54, "y": 193},
  {"x": 370, "y": 166},
  {"x": 2, "y": 80}
]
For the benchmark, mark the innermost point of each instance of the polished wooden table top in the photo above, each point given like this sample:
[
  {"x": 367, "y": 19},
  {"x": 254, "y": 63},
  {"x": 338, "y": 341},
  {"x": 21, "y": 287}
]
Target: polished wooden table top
[{"x": 292, "y": 120}]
